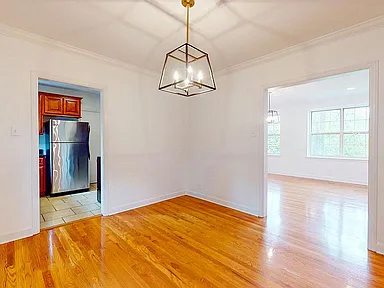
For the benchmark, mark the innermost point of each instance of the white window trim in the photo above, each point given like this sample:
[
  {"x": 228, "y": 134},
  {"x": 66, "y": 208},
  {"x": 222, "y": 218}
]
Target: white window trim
[{"x": 341, "y": 133}]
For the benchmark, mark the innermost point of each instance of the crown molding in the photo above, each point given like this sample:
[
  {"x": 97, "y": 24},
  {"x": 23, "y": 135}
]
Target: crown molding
[
  {"x": 53, "y": 44},
  {"x": 350, "y": 31},
  {"x": 357, "y": 29}
]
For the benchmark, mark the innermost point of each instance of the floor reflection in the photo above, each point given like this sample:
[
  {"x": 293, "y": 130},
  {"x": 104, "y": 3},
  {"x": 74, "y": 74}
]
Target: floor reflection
[{"x": 333, "y": 217}]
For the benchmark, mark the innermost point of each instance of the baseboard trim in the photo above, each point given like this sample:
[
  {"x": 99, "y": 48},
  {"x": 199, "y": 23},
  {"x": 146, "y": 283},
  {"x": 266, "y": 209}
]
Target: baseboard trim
[
  {"x": 225, "y": 203},
  {"x": 146, "y": 202},
  {"x": 379, "y": 248},
  {"x": 16, "y": 235}
]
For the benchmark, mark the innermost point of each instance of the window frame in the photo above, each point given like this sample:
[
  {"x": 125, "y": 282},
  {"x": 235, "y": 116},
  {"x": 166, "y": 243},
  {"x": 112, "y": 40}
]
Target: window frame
[
  {"x": 275, "y": 134},
  {"x": 341, "y": 133}
]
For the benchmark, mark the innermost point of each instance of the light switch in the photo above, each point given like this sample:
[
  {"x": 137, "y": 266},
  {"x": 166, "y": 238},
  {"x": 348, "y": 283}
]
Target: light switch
[{"x": 15, "y": 130}]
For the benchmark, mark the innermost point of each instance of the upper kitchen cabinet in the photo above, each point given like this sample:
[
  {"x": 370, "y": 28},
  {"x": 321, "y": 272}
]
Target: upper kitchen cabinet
[
  {"x": 58, "y": 105},
  {"x": 72, "y": 107},
  {"x": 53, "y": 104}
]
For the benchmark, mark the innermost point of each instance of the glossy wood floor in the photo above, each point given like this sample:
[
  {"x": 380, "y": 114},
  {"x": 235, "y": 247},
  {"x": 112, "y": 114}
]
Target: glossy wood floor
[{"x": 314, "y": 236}]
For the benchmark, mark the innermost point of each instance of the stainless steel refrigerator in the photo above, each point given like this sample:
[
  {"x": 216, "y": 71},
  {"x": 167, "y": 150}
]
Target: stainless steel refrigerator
[{"x": 68, "y": 156}]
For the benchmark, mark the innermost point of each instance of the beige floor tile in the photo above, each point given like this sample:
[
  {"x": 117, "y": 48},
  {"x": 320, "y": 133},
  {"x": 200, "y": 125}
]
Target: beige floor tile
[
  {"x": 66, "y": 205},
  {"x": 51, "y": 223},
  {"x": 44, "y": 200},
  {"x": 55, "y": 200},
  {"x": 60, "y": 197},
  {"x": 87, "y": 201},
  {"x": 83, "y": 194},
  {"x": 41, "y": 218},
  {"x": 78, "y": 197},
  {"x": 78, "y": 217},
  {"x": 85, "y": 208},
  {"x": 96, "y": 212},
  {"x": 45, "y": 204},
  {"x": 58, "y": 214},
  {"x": 92, "y": 196},
  {"x": 46, "y": 209},
  {"x": 70, "y": 200}
]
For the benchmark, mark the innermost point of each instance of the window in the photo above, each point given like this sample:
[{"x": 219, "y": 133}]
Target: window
[
  {"x": 340, "y": 133},
  {"x": 274, "y": 138}
]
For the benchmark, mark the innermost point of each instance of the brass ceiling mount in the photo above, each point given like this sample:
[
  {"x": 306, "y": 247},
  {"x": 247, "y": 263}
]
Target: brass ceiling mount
[{"x": 188, "y": 3}]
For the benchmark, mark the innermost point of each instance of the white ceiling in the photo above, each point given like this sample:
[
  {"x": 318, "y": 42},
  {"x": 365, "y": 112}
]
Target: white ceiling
[
  {"x": 140, "y": 32},
  {"x": 343, "y": 85}
]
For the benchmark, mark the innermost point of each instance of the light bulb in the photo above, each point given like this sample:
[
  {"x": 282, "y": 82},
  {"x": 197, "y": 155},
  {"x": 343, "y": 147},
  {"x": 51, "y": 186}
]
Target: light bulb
[
  {"x": 186, "y": 81},
  {"x": 200, "y": 76},
  {"x": 190, "y": 70},
  {"x": 176, "y": 76}
]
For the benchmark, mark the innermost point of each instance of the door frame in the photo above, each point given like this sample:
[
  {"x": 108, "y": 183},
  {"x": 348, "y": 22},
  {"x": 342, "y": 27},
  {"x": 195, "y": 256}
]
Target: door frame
[
  {"x": 35, "y": 76},
  {"x": 373, "y": 68}
]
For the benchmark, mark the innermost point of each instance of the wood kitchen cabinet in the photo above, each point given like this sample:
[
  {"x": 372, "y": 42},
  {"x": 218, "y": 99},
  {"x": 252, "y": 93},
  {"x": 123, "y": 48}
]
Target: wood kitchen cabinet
[
  {"x": 42, "y": 176},
  {"x": 41, "y": 117},
  {"x": 53, "y": 105},
  {"x": 72, "y": 107},
  {"x": 58, "y": 105}
]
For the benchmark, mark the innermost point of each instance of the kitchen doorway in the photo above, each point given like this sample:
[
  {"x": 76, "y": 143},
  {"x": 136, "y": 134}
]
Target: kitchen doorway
[{"x": 70, "y": 150}]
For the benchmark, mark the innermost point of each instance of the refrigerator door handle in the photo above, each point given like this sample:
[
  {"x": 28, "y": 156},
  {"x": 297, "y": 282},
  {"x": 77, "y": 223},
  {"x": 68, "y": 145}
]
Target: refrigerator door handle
[{"x": 88, "y": 148}]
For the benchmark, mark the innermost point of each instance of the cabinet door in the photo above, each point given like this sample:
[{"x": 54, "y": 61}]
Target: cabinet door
[
  {"x": 72, "y": 107},
  {"x": 53, "y": 105},
  {"x": 41, "y": 127},
  {"x": 42, "y": 178}
]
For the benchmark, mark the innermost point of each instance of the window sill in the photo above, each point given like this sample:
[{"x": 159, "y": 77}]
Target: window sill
[
  {"x": 337, "y": 158},
  {"x": 274, "y": 155}
]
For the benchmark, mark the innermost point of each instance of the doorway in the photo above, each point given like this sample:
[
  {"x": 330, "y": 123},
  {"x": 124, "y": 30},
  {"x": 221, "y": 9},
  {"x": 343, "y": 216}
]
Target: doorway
[
  {"x": 332, "y": 174},
  {"x": 70, "y": 150}
]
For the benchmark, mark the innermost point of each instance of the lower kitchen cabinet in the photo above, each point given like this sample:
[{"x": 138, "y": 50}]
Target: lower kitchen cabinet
[{"x": 42, "y": 176}]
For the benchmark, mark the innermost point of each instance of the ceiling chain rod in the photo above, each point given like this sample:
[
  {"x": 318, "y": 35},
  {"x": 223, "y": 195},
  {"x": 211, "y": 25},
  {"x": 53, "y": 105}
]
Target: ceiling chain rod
[{"x": 188, "y": 24}]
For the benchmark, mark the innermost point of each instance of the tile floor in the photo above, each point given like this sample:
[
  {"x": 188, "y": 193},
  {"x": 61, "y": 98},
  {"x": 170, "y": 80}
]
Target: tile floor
[{"x": 63, "y": 209}]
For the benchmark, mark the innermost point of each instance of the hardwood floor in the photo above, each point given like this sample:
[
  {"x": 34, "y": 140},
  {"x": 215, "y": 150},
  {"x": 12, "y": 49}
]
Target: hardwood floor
[{"x": 314, "y": 236}]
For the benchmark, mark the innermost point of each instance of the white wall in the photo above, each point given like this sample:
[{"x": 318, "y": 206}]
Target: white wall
[
  {"x": 293, "y": 160},
  {"x": 144, "y": 131},
  {"x": 227, "y": 160},
  {"x": 90, "y": 111},
  {"x": 151, "y": 137}
]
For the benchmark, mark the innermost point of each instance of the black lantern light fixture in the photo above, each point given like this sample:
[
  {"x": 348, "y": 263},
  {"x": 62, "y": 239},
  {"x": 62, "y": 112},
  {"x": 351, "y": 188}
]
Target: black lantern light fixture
[
  {"x": 273, "y": 115},
  {"x": 187, "y": 70}
]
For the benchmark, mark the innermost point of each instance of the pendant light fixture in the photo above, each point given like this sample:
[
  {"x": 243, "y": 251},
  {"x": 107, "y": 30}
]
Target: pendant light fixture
[
  {"x": 273, "y": 115},
  {"x": 187, "y": 70}
]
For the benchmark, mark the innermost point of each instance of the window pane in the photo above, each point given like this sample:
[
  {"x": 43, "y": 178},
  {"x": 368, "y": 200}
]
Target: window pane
[
  {"x": 361, "y": 113},
  {"x": 274, "y": 144},
  {"x": 273, "y": 128},
  {"x": 274, "y": 138},
  {"x": 326, "y": 121},
  {"x": 349, "y": 125},
  {"x": 356, "y": 145},
  {"x": 356, "y": 119},
  {"x": 349, "y": 114},
  {"x": 325, "y": 145}
]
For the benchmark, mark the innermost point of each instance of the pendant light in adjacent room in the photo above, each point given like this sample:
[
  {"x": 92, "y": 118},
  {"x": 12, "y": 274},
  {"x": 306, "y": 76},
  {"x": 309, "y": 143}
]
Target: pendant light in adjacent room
[
  {"x": 187, "y": 70},
  {"x": 273, "y": 115}
]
